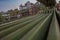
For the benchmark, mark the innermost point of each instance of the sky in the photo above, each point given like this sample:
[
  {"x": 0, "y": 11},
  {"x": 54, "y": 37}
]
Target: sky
[{"x": 13, "y": 4}]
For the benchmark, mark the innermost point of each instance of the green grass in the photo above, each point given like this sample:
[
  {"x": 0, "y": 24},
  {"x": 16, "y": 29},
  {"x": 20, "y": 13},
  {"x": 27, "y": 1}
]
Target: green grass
[
  {"x": 7, "y": 25},
  {"x": 22, "y": 31},
  {"x": 15, "y": 27}
]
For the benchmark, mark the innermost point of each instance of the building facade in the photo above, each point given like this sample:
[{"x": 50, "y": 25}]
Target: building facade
[{"x": 32, "y": 8}]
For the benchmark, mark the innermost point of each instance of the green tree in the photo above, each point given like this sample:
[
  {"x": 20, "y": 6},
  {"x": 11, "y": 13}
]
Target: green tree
[
  {"x": 0, "y": 17},
  {"x": 16, "y": 11},
  {"x": 48, "y": 3},
  {"x": 11, "y": 12}
]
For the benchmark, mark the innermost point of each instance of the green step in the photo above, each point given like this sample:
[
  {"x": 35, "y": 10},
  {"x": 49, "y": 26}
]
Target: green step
[
  {"x": 15, "y": 27},
  {"x": 39, "y": 32},
  {"x": 53, "y": 33}
]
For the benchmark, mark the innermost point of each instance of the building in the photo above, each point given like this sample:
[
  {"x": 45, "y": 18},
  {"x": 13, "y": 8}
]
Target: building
[
  {"x": 26, "y": 8},
  {"x": 22, "y": 7},
  {"x": 30, "y": 7},
  {"x": 24, "y": 12},
  {"x": 27, "y": 5}
]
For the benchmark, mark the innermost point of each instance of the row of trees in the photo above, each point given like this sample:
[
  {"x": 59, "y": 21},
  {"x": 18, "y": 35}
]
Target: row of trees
[
  {"x": 48, "y": 3},
  {"x": 0, "y": 17},
  {"x": 11, "y": 14}
]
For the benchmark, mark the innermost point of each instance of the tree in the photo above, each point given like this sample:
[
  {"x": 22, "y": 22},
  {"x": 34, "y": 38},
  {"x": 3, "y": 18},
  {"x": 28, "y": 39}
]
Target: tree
[
  {"x": 48, "y": 3},
  {"x": 0, "y": 17},
  {"x": 10, "y": 12},
  {"x": 16, "y": 11},
  {"x": 13, "y": 12}
]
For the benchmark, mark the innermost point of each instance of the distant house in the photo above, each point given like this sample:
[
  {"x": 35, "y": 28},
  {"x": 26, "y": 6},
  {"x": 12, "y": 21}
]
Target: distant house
[
  {"x": 27, "y": 5},
  {"x": 22, "y": 7},
  {"x": 29, "y": 8},
  {"x": 34, "y": 8},
  {"x": 26, "y": 8},
  {"x": 24, "y": 12}
]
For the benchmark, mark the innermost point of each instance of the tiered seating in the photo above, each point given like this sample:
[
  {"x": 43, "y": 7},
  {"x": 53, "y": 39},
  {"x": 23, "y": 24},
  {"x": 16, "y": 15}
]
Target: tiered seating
[{"x": 42, "y": 26}]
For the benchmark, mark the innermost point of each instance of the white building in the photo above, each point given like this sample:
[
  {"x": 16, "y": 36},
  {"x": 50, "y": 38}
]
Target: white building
[
  {"x": 27, "y": 5},
  {"x": 22, "y": 7}
]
